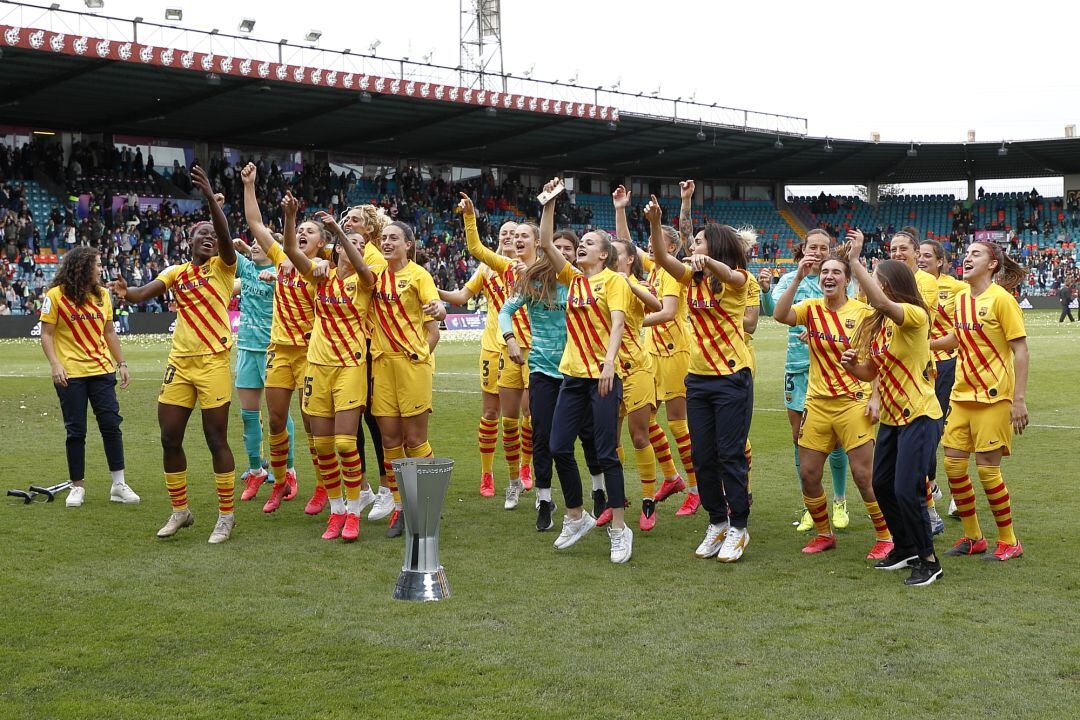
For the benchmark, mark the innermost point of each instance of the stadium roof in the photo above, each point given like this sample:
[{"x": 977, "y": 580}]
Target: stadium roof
[{"x": 50, "y": 81}]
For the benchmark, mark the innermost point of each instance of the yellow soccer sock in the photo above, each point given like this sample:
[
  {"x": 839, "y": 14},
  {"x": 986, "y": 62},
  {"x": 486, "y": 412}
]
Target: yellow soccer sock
[
  {"x": 646, "y": 467},
  {"x": 661, "y": 448},
  {"x": 511, "y": 445},
  {"x": 422, "y": 450},
  {"x": 329, "y": 467},
  {"x": 315, "y": 461},
  {"x": 488, "y": 436},
  {"x": 681, "y": 430},
  {"x": 177, "y": 485},
  {"x": 748, "y": 451},
  {"x": 1000, "y": 504},
  {"x": 526, "y": 441},
  {"x": 956, "y": 469},
  {"x": 279, "y": 456},
  {"x": 929, "y": 495},
  {"x": 390, "y": 454},
  {"x": 225, "y": 483},
  {"x": 352, "y": 470},
  {"x": 818, "y": 509},
  {"x": 881, "y": 529}
]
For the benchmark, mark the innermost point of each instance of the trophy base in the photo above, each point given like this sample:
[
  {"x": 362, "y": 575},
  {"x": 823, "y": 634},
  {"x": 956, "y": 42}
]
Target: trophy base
[{"x": 422, "y": 586}]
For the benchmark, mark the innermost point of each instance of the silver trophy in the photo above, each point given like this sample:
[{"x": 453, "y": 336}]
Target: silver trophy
[{"x": 423, "y": 483}]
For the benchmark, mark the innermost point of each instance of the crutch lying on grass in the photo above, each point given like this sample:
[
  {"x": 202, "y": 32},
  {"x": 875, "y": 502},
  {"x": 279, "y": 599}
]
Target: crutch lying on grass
[
  {"x": 24, "y": 495},
  {"x": 51, "y": 491}
]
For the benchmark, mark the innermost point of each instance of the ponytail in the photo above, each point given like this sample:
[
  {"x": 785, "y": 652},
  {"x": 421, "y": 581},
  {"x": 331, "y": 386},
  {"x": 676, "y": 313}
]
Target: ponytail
[{"x": 1008, "y": 273}]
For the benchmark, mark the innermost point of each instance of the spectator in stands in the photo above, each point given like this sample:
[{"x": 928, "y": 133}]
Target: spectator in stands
[{"x": 4, "y": 309}]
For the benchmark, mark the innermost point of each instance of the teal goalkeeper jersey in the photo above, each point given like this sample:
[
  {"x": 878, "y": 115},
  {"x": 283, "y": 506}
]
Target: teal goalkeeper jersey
[
  {"x": 256, "y": 306},
  {"x": 548, "y": 329}
]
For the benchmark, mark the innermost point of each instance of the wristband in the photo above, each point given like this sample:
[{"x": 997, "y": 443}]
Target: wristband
[
  {"x": 508, "y": 335},
  {"x": 122, "y": 363}
]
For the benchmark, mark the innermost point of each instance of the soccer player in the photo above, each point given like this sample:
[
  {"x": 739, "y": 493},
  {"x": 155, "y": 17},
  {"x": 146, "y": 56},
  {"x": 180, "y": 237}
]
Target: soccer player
[
  {"x": 198, "y": 365},
  {"x": 816, "y": 244},
  {"x": 597, "y": 302},
  {"x": 839, "y": 408},
  {"x": 407, "y": 310},
  {"x": 84, "y": 354},
  {"x": 639, "y": 385},
  {"x": 668, "y": 347},
  {"x": 255, "y": 280},
  {"x": 719, "y": 385},
  {"x": 286, "y": 355},
  {"x": 893, "y": 347},
  {"x": 988, "y": 398},
  {"x": 335, "y": 382},
  {"x": 934, "y": 260}
]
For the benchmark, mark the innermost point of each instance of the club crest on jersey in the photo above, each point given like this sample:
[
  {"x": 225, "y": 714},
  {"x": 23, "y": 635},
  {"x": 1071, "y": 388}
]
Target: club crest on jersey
[
  {"x": 943, "y": 295},
  {"x": 982, "y": 312},
  {"x": 850, "y": 324},
  {"x": 402, "y": 284}
]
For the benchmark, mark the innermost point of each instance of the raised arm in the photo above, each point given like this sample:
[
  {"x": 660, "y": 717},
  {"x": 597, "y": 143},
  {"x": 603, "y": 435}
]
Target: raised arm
[
  {"x": 784, "y": 312},
  {"x": 621, "y": 199},
  {"x": 477, "y": 249},
  {"x": 136, "y": 295},
  {"x": 653, "y": 214},
  {"x": 225, "y": 248},
  {"x": 355, "y": 255},
  {"x": 875, "y": 294},
  {"x": 651, "y": 302},
  {"x": 252, "y": 213},
  {"x": 765, "y": 281},
  {"x": 719, "y": 270},
  {"x": 547, "y": 231},
  {"x": 686, "y": 220},
  {"x": 299, "y": 260}
]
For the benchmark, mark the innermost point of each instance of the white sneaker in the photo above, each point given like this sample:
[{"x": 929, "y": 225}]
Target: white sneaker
[
  {"x": 622, "y": 543},
  {"x": 574, "y": 530},
  {"x": 936, "y": 494},
  {"x": 384, "y": 504},
  {"x": 953, "y": 512},
  {"x": 714, "y": 538},
  {"x": 121, "y": 493},
  {"x": 179, "y": 519},
  {"x": 75, "y": 496},
  {"x": 513, "y": 494},
  {"x": 223, "y": 529},
  {"x": 366, "y": 498},
  {"x": 736, "y": 541}
]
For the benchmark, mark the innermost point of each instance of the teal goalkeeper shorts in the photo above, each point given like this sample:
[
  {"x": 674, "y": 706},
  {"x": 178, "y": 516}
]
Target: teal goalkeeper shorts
[
  {"x": 794, "y": 390},
  {"x": 250, "y": 369}
]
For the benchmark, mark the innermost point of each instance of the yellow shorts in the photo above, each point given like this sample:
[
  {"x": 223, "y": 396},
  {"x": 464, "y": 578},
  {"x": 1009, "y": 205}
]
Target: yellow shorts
[
  {"x": 831, "y": 422},
  {"x": 511, "y": 375},
  {"x": 402, "y": 387},
  {"x": 489, "y": 371},
  {"x": 979, "y": 427},
  {"x": 670, "y": 374},
  {"x": 330, "y": 389},
  {"x": 285, "y": 366},
  {"x": 751, "y": 356},
  {"x": 203, "y": 378},
  {"x": 638, "y": 391}
]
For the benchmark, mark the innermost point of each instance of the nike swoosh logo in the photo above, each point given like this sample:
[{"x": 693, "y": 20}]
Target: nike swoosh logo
[
  {"x": 221, "y": 398},
  {"x": 352, "y": 402},
  {"x": 861, "y": 436}
]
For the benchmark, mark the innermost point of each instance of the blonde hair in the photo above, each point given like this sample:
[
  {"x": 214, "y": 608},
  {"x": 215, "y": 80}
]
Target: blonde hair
[
  {"x": 748, "y": 235},
  {"x": 373, "y": 217}
]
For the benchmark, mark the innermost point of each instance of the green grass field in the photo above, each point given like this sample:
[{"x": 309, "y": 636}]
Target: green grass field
[{"x": 99, "y": 619}]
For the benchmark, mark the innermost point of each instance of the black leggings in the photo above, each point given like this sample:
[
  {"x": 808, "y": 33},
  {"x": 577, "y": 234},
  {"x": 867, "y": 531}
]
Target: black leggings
[
  {"x": 543, "y": 393},
  {"x": 373, "y": 425}
]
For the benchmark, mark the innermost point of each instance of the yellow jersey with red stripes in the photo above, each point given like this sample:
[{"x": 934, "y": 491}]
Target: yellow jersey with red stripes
[
  {"x": 80, "y": 332},
  {"x": 673, "y": 336},
  {"x": 753, "y": 302},
  {"x": 397, "y": 308},
  {"x": 984, "y": 325},
  {"x": 589, "y": 304},
  {"x": 829, "y": 334},
  {"x": 493, "y": 286},
  {"x": 905, "y": 368},
  {"x": 716, "y": 317},
  {"x": 632, "y": 354},
  {"x": 927, "y": 284},
  {"x": 202, "y": 295},
  {"x": 942, "y": 325},
  {"x": 339, "y": 332},
  {"x": 503, "y": 268},
  {"x": 294, "y": 303}
]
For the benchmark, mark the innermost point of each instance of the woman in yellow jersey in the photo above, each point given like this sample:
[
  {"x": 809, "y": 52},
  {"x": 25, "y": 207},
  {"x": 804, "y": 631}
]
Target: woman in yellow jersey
[
  {"x": 639, "y": 386},
  {"x": 369, "y": 221},
  {"x": 286, "y": 356},
  {"x": 406, "y": 311},
  {"x": 934, "y": 260},
  {"x": 198, "y": 367},
  {"x": 892, "y": 346},
  {"x": 988, "y": 399},
  {"x": 335, "y": 382},
  {"x": 668, "y": 346},
  {"x": 83, "y": 350},
  {"x": 839, "y": 410},
  {"x": 719, "y": 385},
  {"x": 494, "y": 280},
  {"x": 597, "y": 302}
]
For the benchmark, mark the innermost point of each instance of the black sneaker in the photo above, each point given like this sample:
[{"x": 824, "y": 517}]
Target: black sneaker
[
  {"x": 896, "y": 560},
  {"x": 397, "y": 524},
  {"x": 923, "y": 572},
  {"x": 599, "y": 502},
  {"x": 544, "y": 508}
]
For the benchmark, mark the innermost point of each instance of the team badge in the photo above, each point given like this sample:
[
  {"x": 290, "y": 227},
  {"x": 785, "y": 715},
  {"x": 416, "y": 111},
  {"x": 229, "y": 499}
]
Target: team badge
[
  {"x": 402, "y": 284},
  {"x": 982, "y": 312},
  {"x": 849, "y": 323}
]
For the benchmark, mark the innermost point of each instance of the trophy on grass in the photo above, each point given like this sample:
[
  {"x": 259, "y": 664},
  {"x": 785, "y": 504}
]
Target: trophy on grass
[{"x": 423, "y": 483}]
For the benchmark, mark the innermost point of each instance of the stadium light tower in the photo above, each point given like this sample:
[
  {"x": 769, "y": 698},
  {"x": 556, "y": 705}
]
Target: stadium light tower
[{"x": 480, "y": 46}]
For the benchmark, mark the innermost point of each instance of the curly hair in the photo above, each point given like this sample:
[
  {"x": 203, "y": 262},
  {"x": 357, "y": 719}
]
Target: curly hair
[{"x": 75, "y": 276}]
